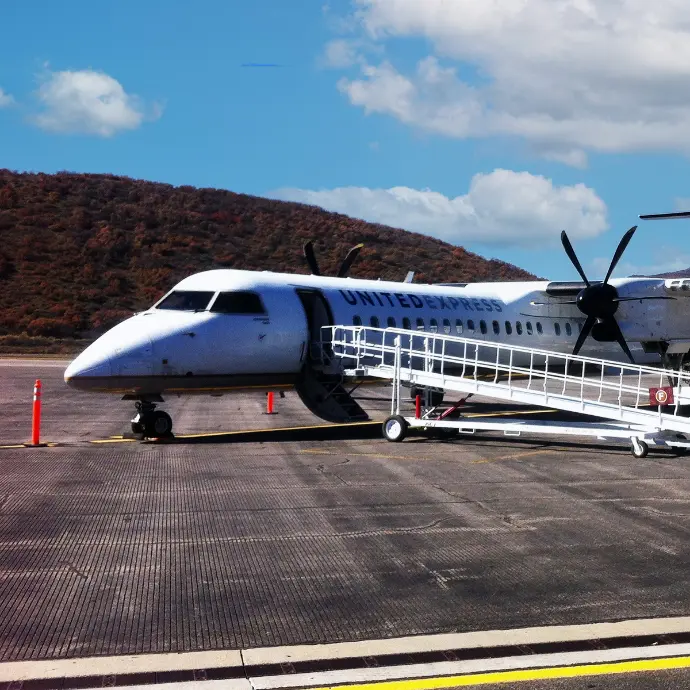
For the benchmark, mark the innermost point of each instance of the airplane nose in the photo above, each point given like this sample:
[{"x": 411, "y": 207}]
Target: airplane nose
[{"x": 85, "y": 368}]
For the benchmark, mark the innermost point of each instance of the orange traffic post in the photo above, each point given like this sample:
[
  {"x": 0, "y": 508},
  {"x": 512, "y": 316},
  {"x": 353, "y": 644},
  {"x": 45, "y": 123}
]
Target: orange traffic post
[
  {"x": 418, "y": 407},
  {"x": 269, "y": 402},
  {"x": 36, "y": 422}
]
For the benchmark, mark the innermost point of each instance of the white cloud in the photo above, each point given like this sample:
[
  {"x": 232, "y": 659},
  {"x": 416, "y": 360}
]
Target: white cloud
[
  {"x": 88, "y": 102},
  {"x": 503, "y": 207},
  {"x": 665, "y": 260},
  {"x": 5, "y": 99},
  {"x": 568, "y": 76},
  {"x": 341, "y": 53}
]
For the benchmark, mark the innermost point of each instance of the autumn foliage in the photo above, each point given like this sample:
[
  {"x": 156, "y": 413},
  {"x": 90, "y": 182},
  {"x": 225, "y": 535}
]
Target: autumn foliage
[{"x": 80, "y": 252}]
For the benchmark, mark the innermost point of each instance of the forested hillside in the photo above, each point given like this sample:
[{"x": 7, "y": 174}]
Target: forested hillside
[{"x": 80, "y": 252}]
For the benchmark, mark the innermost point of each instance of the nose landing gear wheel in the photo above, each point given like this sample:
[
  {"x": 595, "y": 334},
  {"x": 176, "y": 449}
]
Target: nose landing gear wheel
[
  {"x": 151, "y": 423},
  {"x": 158, "y": 425},
  {"x": 395, "y": 428}
]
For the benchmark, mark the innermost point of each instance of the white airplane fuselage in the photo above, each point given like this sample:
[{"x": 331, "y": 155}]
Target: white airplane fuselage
[{"x": 204, "y": 347}]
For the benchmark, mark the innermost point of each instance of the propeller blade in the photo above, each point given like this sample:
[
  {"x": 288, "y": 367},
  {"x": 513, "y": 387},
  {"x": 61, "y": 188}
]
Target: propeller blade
[
  {"x": 589, "y": 324},
  {"x": 620, "y": 339},
  {"x": 662, "y": 216},
  {"x": 351, "y": 256},
  {"x": 625, "y": 240},
  {"x": 635, "y": 299},
  {"x": 572, "y": 256},
  {"x": 311, "y": 258}
]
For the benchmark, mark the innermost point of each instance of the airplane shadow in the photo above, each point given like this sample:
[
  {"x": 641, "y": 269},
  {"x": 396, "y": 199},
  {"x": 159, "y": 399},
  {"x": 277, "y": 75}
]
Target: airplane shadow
[{"x": 336, "y": 432}]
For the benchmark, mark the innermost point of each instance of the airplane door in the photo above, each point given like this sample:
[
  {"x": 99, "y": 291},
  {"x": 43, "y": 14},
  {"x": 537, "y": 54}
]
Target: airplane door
[{"x": 318, "y": 313}]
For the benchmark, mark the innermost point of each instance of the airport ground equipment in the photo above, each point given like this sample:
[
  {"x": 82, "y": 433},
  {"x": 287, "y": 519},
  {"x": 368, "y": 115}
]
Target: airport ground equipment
[{"x": 615, "y": 395}]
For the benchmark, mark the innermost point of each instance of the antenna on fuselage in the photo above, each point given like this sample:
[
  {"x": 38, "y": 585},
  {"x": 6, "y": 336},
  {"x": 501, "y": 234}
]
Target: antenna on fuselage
[{"x": 409, "y": 277}]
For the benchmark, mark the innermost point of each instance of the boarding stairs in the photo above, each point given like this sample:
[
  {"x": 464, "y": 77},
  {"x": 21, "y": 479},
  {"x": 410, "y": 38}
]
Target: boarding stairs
[
  {"x": 603, "y": 389},
  {"x": 323, "y": 393}
]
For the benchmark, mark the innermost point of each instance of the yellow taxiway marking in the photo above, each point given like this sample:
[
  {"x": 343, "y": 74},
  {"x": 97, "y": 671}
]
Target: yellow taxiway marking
[
  {"x": 338, "y": 452},
  {"x": 513, "y": 456},
  {"x": 522, "y": 675},
  {"x": 114, "y": 440},
  {"x": 121, "y": 439},
  {"x": 211, "y": 434},
  {"x": 507, "y": 413},
  {"x": 46, "y": 444}
]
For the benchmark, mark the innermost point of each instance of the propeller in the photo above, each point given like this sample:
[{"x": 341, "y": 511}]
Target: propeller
[
  {"x": 599, "y": 301},
  {"x": 313, "y": 264}
]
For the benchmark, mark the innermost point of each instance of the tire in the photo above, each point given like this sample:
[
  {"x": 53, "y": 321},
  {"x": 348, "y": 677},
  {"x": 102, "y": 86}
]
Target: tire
[
  {"x": 642, "y": 452},
  {"x": 395, "y": 428},
  {"x": 158, "y": 425}
]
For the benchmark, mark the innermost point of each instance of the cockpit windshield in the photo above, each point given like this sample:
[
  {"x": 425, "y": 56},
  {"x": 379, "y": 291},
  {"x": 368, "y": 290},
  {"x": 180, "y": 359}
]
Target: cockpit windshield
[{"x": 186, "y": 300}]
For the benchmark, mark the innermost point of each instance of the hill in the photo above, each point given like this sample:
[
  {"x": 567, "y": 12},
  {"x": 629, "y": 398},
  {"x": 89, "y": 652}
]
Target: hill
[{"x": 80, "y": 252}]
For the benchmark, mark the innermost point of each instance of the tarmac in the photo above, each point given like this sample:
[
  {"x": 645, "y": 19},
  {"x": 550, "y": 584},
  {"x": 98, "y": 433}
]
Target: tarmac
[{"x": 222, "y": 540}]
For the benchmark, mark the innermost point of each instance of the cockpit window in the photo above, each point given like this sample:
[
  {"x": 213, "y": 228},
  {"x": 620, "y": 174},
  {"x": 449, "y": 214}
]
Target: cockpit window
[
  {"x": 186, "y": 300},
  {"x": 238, "y": 303}
]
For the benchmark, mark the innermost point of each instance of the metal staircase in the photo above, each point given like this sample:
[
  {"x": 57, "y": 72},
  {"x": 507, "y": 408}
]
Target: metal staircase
[
  {"x": 599, "y": 388},
  {"x": 324, "y": 395}
]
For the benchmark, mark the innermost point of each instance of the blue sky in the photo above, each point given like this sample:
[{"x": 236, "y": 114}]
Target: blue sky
[{"x": 384, "y": 109}]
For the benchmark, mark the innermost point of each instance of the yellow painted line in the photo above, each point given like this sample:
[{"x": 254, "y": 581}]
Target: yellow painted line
[
  {"x": 514, "y": 456},
  {"x": 114, "y": 440},
  {"x": 282, "y": 428},
  {"x": 121, "y": 439},
  {"x": 20, "y": 445},
  {"x": 507, "y": 413},
  {"x": 522, "y": 675},
  {"x": 359, "y": 455}
]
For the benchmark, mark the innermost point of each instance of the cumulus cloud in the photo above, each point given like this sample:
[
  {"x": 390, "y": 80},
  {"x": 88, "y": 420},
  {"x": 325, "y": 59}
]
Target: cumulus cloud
[
  {"x": 503, "y": 207},
  {"x": 340, "y": 53},
  {"x": 666, "y": 259},
  {"x": 568, "y": 76},
  {"x": 5, "y": 99},
  {"x": 88, "y": 102}
]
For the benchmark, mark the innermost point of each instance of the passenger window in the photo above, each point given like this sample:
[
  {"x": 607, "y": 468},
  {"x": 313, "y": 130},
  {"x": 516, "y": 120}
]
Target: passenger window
[
  {"x": 579, "y": 327},
  {"x": 391, "y": 322},
  {"x": 518, "y": 328},
  {"x": 406, "y": 324},
  {"x": 482, "y": 326},
  {"x": 497, "y": 327},
  {"x": 374, "y": 321},
  {"x": 470, "y": 325},
  {"x": 557, "y": 328},
  {"x": 509, "y": 328},
  {"x": 528, "y": 327},
  {"x": 568, "y": 329},
  {"x": 458, "y": 326},
  {"x": 238, "y": 303},
  {"x": 420, "y": 324},
  {"x": 433, "y": 326},
  {"x": 187, "y": 300},
  {"x": 540, "y": 330},
  {"x": 446, "y": 326},
  {"x": 356, "y": 320}
]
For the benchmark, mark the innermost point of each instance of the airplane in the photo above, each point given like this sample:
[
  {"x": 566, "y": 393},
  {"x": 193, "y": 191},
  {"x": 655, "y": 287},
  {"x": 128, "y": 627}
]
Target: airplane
[{"x": 225, "y": 330}]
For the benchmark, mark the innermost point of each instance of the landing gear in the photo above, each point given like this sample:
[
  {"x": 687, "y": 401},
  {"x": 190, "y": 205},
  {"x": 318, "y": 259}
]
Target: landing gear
[{"x": 150, "y": 422}]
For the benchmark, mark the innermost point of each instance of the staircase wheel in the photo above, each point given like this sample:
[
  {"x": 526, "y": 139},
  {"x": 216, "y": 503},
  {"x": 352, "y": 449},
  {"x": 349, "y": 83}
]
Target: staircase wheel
[
  {"x": 640, "y": 450},
  {"x": 395, "y": 428}
]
